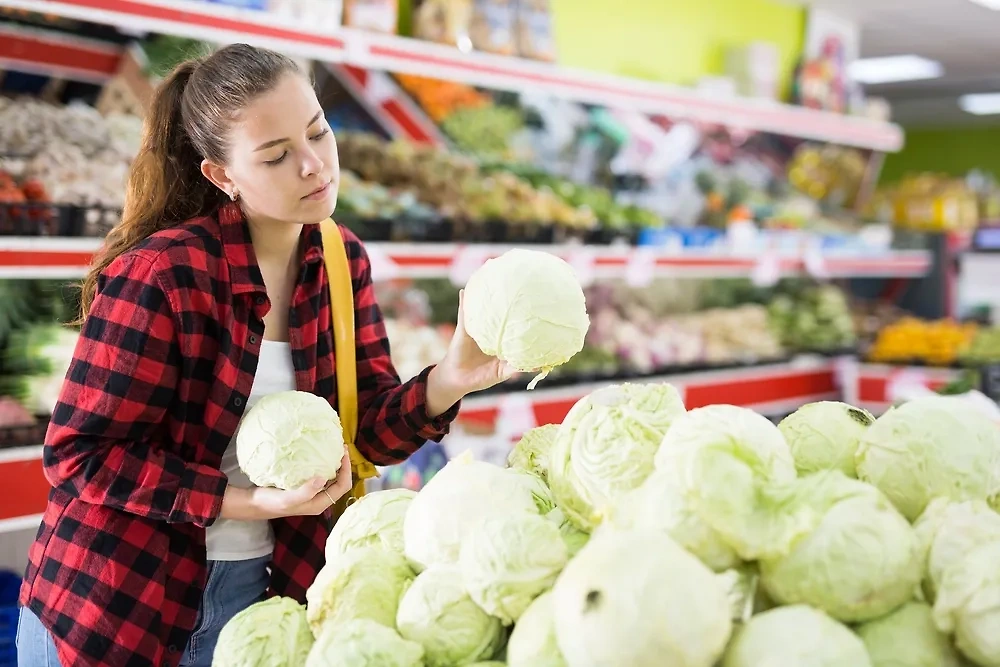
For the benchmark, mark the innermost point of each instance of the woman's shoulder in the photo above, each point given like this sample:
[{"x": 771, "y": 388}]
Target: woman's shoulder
[{"x": 192, "y": 243}]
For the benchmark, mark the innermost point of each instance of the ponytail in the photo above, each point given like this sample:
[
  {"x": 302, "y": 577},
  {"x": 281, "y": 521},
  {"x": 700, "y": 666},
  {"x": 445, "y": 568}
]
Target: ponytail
[{"x": 187, "y": 122}]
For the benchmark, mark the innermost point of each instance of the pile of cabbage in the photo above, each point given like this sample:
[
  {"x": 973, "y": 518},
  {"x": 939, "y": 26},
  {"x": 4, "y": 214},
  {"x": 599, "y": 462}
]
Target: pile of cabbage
[{"x": 640, "y": 533}]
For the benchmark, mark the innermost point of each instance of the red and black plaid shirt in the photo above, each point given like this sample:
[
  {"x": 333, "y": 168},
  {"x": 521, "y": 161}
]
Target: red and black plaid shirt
[{"x": 156, "y": 389}]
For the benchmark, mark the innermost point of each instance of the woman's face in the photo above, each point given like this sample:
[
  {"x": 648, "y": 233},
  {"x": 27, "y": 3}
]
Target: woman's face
[{"x": 282, "y": 157}]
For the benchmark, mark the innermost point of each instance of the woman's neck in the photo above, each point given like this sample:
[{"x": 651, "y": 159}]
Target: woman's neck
[{"x": 275, "y": 243}]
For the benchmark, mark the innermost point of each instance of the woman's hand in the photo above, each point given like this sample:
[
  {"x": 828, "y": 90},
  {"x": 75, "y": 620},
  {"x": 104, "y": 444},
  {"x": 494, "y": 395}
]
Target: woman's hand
[
  {"x": 311, "y": 499},
  {"x": 465, "y": 369}
]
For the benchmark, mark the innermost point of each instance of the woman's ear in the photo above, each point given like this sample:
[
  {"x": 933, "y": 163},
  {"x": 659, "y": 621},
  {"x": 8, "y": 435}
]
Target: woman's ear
[{"x": 217, "y": 174}]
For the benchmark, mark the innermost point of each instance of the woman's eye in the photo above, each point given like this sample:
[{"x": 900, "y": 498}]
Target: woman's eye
[
  {"x": 320, "y": 135},
  {"x": 277, "y": 160}
]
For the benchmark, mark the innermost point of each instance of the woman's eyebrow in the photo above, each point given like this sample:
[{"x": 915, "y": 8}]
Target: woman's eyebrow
[{"x": 275, "y": 142}]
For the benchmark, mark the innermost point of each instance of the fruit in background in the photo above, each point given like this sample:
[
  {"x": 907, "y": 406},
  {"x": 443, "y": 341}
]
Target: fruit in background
[
  {"x": 484, "y": 130},
  {"x": 816, "y": 318},
  {"x": 939, "y": 343},
  {"x": 984, "y": 349},
  {"x": 439, "y": 99}
]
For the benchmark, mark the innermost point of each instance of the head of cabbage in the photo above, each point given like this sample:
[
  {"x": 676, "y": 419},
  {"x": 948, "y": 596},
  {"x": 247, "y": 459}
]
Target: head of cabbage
[
  {"x": 366, "y": 582},
  {"x": 531, "y": 453},
  {"x": 527, "y": 308},
  {"x": 908, "y": 637},
  {"x": 825, "y": 435},
  {"x": 533, "y": 643},
  {"x": 437, "y": 613},
  {"x": 507, "y": 561},
  {"x": 288, "y": 438},
  {"x": 724, "y": 460},
  {"x": 636, "y": 598},
  {"x": 658, "y": 504},
  {"x": 273, "y": 632},
  {"x": 795, "y": 636},
  {"x": 375, "y": 520},
  {"x": 968, "y": 604},
  {"x": 860, "y": 559},
  {"x": 464, "y": 493},
  {"x": 362, "y": 643},
  {"x": 947, "y": 531},
  {"x": 930, "y": 447},
  {"x": 606, "y": 445}
]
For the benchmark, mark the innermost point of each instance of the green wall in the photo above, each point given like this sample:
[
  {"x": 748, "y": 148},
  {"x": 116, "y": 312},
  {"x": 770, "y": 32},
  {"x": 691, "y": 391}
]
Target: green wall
[
  {"x": 953, "y": 151},
  {"x": 676, "y": 41}
]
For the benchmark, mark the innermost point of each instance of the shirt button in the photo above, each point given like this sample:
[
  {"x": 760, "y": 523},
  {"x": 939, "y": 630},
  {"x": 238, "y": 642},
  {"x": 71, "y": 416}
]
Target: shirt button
[
  {"x": 237, "y": 401},
  {"x": 253, "y": 339},
  {"x": 172, "y": 648},
  {"x": 260, "y": 300}
]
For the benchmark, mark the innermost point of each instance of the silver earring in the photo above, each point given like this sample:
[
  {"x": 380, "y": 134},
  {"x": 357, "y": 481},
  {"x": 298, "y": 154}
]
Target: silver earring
[{"x": 235, "y": 194}]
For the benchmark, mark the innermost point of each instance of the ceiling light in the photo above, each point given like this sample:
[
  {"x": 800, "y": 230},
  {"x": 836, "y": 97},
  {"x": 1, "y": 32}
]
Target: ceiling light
[
  {"x": 989, "y": 4},
  {"x": 894, "y": 68},
  {"x": 980, "y": 104}
]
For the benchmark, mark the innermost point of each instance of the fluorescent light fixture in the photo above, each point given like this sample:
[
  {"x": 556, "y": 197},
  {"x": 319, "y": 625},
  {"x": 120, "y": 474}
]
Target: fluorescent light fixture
[
  {"x": 894, "y": 68},
  {"x": 988, "y": 4},
  {"x": 980, "y": 104}
]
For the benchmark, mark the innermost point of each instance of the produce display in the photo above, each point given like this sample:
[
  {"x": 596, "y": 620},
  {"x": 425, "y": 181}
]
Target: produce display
[
  {"x": 816, "y": 318},
  {"x": 939, "y": 343},
  {"x": 699, "y": 538},
  {"x": 76, "y": 154}
]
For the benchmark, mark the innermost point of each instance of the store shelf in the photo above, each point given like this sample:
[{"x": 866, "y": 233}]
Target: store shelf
[
  {"x": 773, "y": 389},
  {"x": 49, "y": 257},
  {"x": 386, "y": 52},
  {"x": 57, "y": 54},
  {"x": 876, "y": 387},
  {"x": 770, "y": 389}
]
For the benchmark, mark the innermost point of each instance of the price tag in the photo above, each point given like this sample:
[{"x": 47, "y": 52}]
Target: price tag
[
  {"x": 767, "y": 271},
  {"x": 814, "y": 261},
  {"x": 641, "y": 267},
  {"x": 583, "y": 261},
  {"x": 466, "y": 261},
  {"x": 382, "y": 266},
  {"x": 516, "y": 415}
]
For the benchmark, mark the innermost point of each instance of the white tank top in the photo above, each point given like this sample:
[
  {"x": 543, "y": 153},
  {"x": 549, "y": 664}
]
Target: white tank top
[{"x": 229, "y": 539}]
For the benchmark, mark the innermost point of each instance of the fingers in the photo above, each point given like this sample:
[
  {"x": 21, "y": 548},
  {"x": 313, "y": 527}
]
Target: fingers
[
  {"x": 308, "y": 491},
  {"x": 460, "y": 324}
]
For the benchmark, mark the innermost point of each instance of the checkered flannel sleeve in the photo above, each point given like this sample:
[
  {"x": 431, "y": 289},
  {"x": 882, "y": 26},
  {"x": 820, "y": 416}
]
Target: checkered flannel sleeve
[
  {"x": 392, "y": 419},
  {"x": 104, "y": 442}
]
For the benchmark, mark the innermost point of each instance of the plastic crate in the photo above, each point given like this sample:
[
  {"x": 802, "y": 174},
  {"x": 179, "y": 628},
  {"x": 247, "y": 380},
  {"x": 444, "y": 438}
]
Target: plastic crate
[{"x": 10, "y": 585}]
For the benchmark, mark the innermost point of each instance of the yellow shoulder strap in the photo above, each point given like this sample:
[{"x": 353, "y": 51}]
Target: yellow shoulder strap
[{"x": 345, "y": 351}]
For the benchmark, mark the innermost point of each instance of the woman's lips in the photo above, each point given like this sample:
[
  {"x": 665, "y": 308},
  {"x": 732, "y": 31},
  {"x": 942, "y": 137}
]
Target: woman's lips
[{"x": 320, "y": 193}]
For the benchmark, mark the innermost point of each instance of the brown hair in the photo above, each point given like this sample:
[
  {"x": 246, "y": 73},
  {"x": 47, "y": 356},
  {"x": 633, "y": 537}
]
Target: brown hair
[{"x": 187, "y": 121}]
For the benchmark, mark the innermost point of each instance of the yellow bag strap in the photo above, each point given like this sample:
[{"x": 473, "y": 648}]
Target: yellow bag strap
[{"x": 338, "y": 271}]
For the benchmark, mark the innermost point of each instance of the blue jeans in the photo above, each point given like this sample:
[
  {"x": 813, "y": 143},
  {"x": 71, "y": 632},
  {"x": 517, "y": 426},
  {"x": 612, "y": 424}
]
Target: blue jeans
[{"x": 232, "y": 586}]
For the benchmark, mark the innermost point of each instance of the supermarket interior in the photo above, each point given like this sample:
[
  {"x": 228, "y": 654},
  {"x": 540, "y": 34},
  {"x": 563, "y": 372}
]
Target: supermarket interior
[{"x": 767, "y": 204}]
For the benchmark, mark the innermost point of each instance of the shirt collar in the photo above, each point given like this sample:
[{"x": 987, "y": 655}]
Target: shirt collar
[{"x": 244, "y": 272}]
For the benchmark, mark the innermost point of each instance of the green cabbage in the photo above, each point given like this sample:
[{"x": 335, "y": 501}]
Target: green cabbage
[
  {"x": 606, "y": 446},
  {"x": 724, "y": 460},
  {"x": 527, "y": 308},
  {"x": 508, "y": 561},
  {"x": 437, "y": 613},
  {"x": 947, "y": 531},
  {"x": 637, "y": 598},
  {"x": 288, "y": 438},
  {"x": 533, "y": 641},
  {"x": 531, "y": 453},
  {"x": 658, "y": 504},
  {"x": 366, "y": 582},
  {"x": 825, "y": 435},
  {"x": 796, "y": 636},
  {"x": 938, "y": 446},
  {"x": 363, "y": 643},
  {"x": 463, "y": 494},
  {"x": 907, "y": 638},
  {"x": 574, "y": 538},
  {"x": 859, "y": 562},
  {"x": 375, "y": 520},
  {"x": 274, "y": 632},
  {"x": 968, "y": 604}
]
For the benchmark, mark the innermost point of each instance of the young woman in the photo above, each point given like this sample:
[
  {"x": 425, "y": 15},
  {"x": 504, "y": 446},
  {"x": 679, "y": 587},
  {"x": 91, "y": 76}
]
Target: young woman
[{"x": 211, "y": 293}]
